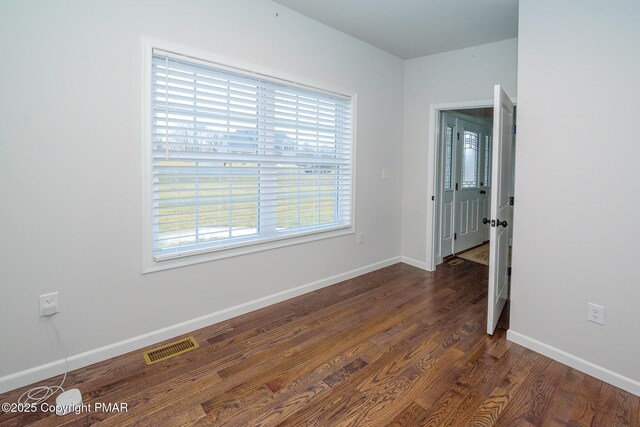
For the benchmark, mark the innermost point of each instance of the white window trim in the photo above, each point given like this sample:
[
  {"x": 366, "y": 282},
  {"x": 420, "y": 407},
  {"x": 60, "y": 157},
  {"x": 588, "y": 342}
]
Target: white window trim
[{"x": 148, "y": 263}]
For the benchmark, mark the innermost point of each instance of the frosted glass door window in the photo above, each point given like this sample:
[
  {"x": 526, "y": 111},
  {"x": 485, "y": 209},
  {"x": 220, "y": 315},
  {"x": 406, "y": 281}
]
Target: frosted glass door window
[
  {"x": 448, "y": 158},
  {"x": 470, "y": 159},
  {"x": 487, "y": 160}
]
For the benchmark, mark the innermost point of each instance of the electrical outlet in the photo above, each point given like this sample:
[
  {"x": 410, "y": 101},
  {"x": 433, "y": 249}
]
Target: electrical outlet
[
  {"x": 48, "y": 304},
  {"x": 361, "y": 238},
  {"x": 595, "y": 313}
]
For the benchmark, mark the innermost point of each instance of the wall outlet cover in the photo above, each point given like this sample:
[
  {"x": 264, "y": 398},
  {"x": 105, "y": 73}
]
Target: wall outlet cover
[
  {"x": 48, "y": 304},
  {"x": 595, "y": 313}
]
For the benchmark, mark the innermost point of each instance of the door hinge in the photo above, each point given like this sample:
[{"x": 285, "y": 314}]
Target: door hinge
[
  {"x": 514, "y": 129},
  {"x": 455, "y": 236},
  {"x": 456, "y": 186},
  {"x": 508, "y": 271},
  {"x": 511, "y": 200},
  {"x": 458, "y": 136},
  {"x": 433, "y": 198}
]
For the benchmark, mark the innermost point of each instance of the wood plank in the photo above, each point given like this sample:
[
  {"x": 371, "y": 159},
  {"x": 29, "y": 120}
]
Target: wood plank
[
  {"x": 558, "y": 414},
  {"x": 222, "y": 409},
  {"x": 584, "y": 408},
  {"x": 412, "y": 415},
  {"x": 463, "y": 413},
  {"x": 503, "y": 395},
  {"x": 534, "y": 397}
]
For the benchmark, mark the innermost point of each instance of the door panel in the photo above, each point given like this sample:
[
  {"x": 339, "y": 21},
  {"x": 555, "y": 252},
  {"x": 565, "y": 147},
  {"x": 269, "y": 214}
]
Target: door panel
[
  {"x": 447, "y": 225},
  {"x": 463, "y": 225},
  {"x": 499, "y": 234},
  {"x": 475, "y": 211}
]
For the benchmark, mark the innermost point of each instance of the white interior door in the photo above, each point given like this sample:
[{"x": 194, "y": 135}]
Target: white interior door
[
  {"x": 469, "y": 192},
  {"x": 501, "y": 183}
]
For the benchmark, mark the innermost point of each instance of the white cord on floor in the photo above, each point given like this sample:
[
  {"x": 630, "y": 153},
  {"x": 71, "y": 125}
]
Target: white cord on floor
[{"x": 37, "y": 395}]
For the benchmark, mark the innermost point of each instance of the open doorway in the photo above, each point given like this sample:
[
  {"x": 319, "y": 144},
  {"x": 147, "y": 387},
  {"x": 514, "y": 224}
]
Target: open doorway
[
  {"x": 464, "y": 184},
  {"x": 465, "y": 179},
  {"x": 470, "y": 222}
]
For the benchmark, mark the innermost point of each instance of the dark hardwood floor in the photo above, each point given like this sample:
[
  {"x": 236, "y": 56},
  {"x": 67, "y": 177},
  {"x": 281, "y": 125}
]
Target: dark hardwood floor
[{"x": 396, "y": 347}]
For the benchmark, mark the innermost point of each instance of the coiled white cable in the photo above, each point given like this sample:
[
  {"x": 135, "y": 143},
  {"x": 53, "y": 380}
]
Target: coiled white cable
[{"x": 39, "y": 394}]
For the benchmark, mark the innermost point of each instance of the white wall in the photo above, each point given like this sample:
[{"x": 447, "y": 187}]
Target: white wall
[
  {"x": 70, "y": 166},
  {"x": 456, "y": 76},
  {"x": 577, "y": 237}
]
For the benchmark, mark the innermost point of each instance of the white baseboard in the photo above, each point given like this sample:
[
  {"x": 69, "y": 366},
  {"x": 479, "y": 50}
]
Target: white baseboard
[
  {"x": 76, "y": 361},
  {"x": 414, "y": 262},
  {"x": 604, "y": 374}
]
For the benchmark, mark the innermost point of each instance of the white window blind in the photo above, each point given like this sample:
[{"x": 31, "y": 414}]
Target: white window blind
[{"x": 240, "y": 158}]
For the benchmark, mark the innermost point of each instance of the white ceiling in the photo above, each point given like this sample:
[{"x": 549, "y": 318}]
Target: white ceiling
[{"x": 413, "y": 28}]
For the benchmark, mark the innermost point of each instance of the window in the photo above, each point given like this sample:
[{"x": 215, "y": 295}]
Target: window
[
  {"x": 487, "y": 160},
  {"x": 240, "y": 158},
  {"x": 470, "y": 160},
  {"x": 448, "y": 158}
]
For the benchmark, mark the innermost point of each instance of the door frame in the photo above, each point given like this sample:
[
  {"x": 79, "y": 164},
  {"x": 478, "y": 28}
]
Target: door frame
[{"x": 434, "y": 147}]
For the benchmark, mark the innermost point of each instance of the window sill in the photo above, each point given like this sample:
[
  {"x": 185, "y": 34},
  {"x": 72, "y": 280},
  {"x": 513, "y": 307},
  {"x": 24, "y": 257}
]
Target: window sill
[{"x": 217, "y": 253}]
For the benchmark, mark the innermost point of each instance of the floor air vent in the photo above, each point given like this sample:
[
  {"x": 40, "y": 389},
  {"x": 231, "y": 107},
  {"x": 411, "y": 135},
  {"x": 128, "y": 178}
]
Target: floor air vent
[{"x": 170, "y": 350}]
